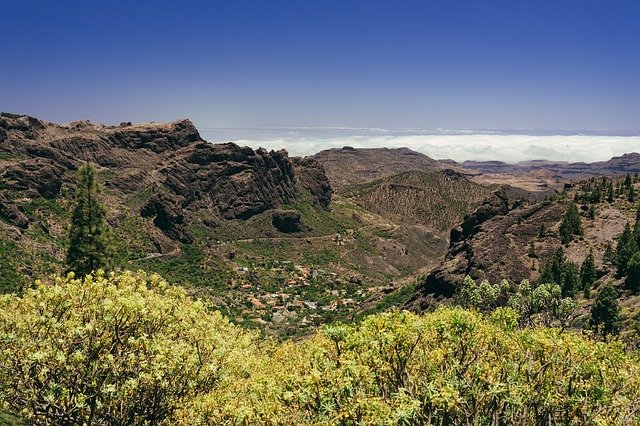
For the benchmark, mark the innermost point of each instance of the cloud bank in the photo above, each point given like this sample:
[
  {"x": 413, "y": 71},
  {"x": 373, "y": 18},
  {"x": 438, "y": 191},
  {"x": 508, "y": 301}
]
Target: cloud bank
[{"x": 510, "y": 148}]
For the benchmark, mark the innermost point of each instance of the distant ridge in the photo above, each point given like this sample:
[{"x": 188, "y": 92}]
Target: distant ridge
[
  {"x": 347, "y": 165},
  {"x": 627, "y": 163}
]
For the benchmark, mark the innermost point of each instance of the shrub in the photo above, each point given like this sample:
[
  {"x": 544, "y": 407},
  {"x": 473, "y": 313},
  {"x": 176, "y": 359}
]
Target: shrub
[{"x": 125, "y": 349}]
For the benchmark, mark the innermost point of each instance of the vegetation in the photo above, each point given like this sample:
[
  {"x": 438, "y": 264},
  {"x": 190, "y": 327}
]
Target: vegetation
[
  {"x": 605, "y": 312},
  {"x": 130, "y": 349},
  {"x": 588, "y": 274},
  {"x": 571, "y": 224},
  {"x": 88, "y": 244},
  {"x": 633, "y": 273}
]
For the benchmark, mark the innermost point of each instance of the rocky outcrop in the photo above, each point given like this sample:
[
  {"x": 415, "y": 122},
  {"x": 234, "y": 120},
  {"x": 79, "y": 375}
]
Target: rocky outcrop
[
  {"x": 496, "y": 205},
  {"x": 287, "y": 221},
  {"x": 167, "y": 216},
  {"x": 191, "y": 178},
  {"x": 13, "y": 214},
  {"x": 311, "y": 175},
  {"x": 492, "y": 243},
  {"x": 37, "y": 176},
  {"x": 228, "y": 181}
]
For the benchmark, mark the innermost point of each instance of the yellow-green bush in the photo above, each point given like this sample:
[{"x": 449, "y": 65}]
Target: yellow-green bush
[
  {"x": 124, "y": 349},
  {"x": 129, "y": 349}
]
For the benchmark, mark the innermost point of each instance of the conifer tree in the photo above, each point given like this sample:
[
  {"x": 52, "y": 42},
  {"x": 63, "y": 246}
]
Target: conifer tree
[
  {"x": 532, "y": 249},
  {"x": 609, "y": 256},
  {"x": 627, "y": 247},
  {"x": 88, "y": 247},
  {"x": 588, "y": 274},
  {"x": 570, "y": 279},
  {"x": 636, "y": 229},
  {"x": 571, "y": 224},
  {"x": 633, "y": 272},
  {"x": 610, "y": 193},
  {"x": 627, "y": 181},
  {"x": 631, "y": 197},
  {"x": 543, "y": 231},
  {"x": 605, "y": 312}
]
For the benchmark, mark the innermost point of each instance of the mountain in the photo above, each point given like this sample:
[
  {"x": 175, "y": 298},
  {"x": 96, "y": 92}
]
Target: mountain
[
  {"x": 437, "y": 199},
  {"x": 260, "y": 234},
  {"x": 514, "y": 241},
  {"x": 347, "y": 165},
  {"x": 627, "y": 163}
]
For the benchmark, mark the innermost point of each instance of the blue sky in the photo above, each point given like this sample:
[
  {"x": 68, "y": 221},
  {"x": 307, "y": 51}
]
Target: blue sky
[{"x": 391, "y": 64}]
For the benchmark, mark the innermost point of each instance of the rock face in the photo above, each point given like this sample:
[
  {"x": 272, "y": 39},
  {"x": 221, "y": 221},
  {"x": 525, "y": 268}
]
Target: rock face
[
  {"x": 188, "y": 177},
  {"x": 228, "y": 181},
  {"x": 287, "y": 221},
  {"x": 492, "y": 243}
]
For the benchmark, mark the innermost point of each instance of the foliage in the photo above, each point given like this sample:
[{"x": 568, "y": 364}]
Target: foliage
[
  {"x": 130, "y": 349},
  {"x": 588, "y": 274},
  {"x": 449, "y": 367},
  {"x": 627, "y": 247},
  {"x": 605, "y": 312},
  {"x": 571, "y": 224},
  {"x": 542, "y": 304},
  {"x": 561, "y": 271},
  {"x": 88, "y": 242},
  {"x": 122, "y": 349},
  {"x": 633, "y": 272},
  {"x": 10, "y": 278}
]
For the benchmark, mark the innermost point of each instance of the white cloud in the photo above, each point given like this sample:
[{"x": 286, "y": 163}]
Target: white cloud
[{"x": 459, "y": 147}]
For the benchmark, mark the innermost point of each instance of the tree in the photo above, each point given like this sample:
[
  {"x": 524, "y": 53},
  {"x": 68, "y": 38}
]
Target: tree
[
  {"x": 571, "y": 224},
  {"x": 556, "y": 267},
  {"x": 633, "y": 272},
  {"x": 626, "y": 248},
  {"x": 609, "y": 255},
  {"x": 88, "y": 245},
  {"x": 588, "y": 274},
  {"x": 570, "y": 279},
  {"x": 543, "y": 231},
  {"x": 532, "y": 250},
  {"x": 632, "y": 194},
  {"x": 592, "y": 211},
  {"x": 627, "y": 181},
  {"x": 610, "y": 193},
  {"x": 605, "y": 312}
]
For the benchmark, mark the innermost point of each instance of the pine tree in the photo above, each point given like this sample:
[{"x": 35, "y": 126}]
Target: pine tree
[
  {"x": 609, "y": 256},
  {"x": 532, "y": 250},
  {"x": 543, "y": 231},
  {"x": 570, "y": 279},
  {"x": 605, "y": 312},
  {"x": 627, "y": 181},
  {"x": 633, "y": 272},
  {"x": 588, "y": 274},
  {"x": 631, "y": 197},
  {"x": 552, "y": 272},
  {"x": 592, "y": 211},
  {"x": 627, "y": 247},
  {"x": 636, "y": 229},
  {"x": 88, "y": 247},
  {"x": 610, "y": 192},
  {"x": 571, "y": 224}
]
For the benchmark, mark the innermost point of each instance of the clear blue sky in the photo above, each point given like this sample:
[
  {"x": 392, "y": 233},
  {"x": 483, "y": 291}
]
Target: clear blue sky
[{"x": 239, "y": 63}]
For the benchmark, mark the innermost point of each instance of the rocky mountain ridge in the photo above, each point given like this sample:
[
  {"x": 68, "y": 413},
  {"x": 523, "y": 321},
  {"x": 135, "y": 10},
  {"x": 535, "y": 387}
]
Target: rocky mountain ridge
[{"x": 189, "y": 177}]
